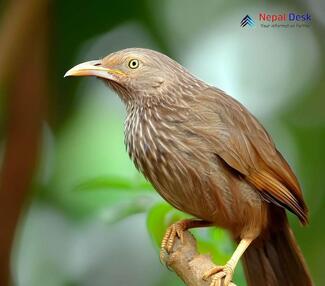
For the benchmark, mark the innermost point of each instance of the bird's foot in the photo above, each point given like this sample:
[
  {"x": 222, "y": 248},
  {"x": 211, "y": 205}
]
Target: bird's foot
[
  {"x": 219, "y": 274},
  {"x": 175, "y": 230}
]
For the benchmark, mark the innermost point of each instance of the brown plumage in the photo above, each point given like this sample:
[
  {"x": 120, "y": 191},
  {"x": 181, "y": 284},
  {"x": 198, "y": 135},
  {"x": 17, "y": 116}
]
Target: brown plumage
[{"x": 208, "y": 156}]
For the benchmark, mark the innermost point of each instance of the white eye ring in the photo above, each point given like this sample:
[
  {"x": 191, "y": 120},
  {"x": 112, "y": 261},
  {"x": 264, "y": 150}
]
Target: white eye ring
[{"x": 133, "y": 64}]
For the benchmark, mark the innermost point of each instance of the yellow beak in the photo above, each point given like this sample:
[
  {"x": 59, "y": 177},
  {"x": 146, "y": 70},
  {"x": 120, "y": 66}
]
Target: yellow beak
[{"x": 93, "y": 68}]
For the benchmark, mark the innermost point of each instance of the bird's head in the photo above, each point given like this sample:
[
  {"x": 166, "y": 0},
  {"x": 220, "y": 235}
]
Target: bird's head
[{"x": 137, "y": 73}]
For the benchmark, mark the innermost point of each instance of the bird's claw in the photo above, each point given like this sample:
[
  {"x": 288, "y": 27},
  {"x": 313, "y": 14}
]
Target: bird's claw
[
  {"x": 175, "y": 230},
  {"x": 220, "y": 273}
]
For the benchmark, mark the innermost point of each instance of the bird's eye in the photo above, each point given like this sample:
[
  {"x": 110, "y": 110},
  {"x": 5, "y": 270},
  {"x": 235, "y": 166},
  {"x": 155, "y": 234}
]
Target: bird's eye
[{"x": 133, "y": 64}]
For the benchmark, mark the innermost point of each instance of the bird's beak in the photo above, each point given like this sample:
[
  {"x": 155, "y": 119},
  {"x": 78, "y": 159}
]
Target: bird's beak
[{"x": 94, "y": 68}]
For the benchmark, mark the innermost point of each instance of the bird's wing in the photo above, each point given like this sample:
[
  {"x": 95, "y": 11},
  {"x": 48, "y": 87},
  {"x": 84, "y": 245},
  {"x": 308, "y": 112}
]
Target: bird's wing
[{"x": 244, "y": 144}]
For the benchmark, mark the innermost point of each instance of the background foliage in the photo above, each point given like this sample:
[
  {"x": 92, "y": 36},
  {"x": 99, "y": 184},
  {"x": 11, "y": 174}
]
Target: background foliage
[{"x": 91, "y": 218}]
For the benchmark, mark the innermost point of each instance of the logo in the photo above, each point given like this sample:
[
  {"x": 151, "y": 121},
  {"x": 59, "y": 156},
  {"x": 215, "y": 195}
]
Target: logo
[
  {"x": 285, "y": 17},
  {"x": 247, "y": 20},
  {"x": 279, "y": 20}
]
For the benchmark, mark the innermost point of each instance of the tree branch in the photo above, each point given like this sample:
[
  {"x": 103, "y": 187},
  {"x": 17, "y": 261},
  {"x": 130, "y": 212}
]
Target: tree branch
[{"x": 187, "y": 263}]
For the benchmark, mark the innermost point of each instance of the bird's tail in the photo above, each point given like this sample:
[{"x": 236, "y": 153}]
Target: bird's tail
[{"x": 276, "y": 260}]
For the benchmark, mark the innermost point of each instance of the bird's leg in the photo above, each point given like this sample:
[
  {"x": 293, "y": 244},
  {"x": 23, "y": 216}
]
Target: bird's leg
[
  {"x": 226, "y": 272},
  {"x": 177, "y": 230}
]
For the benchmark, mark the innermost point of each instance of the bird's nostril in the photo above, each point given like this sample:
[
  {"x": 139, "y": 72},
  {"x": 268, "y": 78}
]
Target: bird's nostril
[{"x": 96, "y": 65}]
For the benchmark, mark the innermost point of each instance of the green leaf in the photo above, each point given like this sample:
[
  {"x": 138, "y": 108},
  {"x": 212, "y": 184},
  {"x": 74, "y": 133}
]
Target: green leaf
[
  {"x": 138, "y": 204},
  {"x": 144, "y": 185},
  {"x": 215, "y": 242},
  {"x": 160, "y": 216},
  {"x": 239, "y": 275},
  {"x": 156, "y": 221},
  {"x": 100, "y": 183},
  {"x": 221, "y": 239}
]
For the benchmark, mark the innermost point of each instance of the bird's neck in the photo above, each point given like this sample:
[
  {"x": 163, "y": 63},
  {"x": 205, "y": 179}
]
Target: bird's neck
[
  {"x": 153, "y": 115},
  {"x": 149, "y": 125}
]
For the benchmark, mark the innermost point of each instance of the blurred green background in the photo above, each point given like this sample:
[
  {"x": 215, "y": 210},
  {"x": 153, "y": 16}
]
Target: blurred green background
[{"x": 89, "y": 218}]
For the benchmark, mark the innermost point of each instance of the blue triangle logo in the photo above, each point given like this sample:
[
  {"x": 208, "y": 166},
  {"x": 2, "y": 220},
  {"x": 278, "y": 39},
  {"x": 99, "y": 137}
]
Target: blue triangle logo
[{"x": 247, "y": 21}]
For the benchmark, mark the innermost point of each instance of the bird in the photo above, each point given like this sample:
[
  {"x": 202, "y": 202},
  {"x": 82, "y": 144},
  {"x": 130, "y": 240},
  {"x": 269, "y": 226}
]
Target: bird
[{"x": 209, "y": 157}]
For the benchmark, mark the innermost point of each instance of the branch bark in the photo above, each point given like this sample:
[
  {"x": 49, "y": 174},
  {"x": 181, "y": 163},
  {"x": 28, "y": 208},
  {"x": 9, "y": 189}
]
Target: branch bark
[{"x": 187, "y": 263}]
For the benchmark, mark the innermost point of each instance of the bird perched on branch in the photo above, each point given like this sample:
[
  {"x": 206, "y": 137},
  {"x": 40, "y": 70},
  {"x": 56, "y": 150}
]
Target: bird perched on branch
[{"x": 208, "y": 156}]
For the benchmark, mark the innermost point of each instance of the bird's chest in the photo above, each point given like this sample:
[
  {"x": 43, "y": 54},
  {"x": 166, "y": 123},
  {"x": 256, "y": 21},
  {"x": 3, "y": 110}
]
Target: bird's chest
[
  {"x": 145, "y": 142},
  {"x": 160, "y": 151}
]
